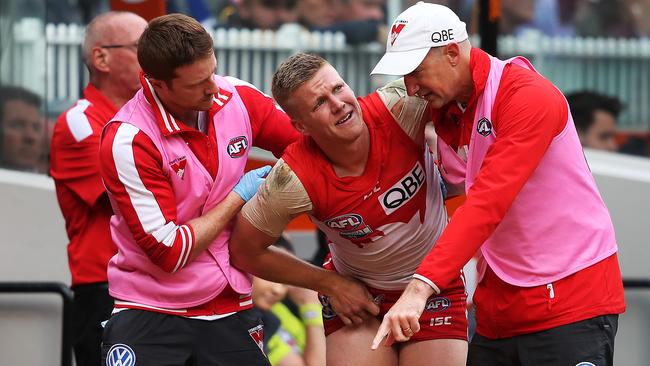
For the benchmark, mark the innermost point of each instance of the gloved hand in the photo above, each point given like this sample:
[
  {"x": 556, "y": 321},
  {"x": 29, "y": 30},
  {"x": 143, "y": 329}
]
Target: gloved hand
[{"x": 250, "y": 182}]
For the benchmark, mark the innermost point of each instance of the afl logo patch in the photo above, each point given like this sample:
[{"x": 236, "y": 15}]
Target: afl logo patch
[
  {"x": 484, "y": 127},
  {"x": 120, "y": 355},
  {"x": 237, "y": 146},
  {"x": 352, "y": 227},
  {"x": 437, "y": 304},
  {"x": 345, "y": 222}
]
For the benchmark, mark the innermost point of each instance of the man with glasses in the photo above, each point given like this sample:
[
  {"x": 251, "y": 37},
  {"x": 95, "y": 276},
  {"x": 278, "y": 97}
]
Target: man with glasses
[{"x": 109, "y": 51}]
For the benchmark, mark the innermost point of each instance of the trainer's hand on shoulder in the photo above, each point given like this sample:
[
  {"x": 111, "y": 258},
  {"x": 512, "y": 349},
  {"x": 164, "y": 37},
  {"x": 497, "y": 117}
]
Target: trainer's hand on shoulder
[
  {"x": 250, "y": 182},
  {"x": 402, "y": 321},
  {"x": 351, "y": 301}
]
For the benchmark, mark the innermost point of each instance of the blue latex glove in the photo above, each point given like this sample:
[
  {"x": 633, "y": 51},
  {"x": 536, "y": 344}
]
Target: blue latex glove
[{"x": 250, "y": 182}]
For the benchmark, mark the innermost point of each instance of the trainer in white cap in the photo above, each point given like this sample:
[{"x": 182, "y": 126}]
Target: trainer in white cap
[{"x": 415, "y": 31}]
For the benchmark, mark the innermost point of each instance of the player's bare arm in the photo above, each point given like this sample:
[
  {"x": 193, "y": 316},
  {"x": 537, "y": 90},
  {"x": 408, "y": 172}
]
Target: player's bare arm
[{"x": 250, "y": 248}]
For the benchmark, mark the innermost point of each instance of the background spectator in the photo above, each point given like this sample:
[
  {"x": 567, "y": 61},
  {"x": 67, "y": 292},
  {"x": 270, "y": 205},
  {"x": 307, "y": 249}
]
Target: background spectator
[
  {"x": 595, "y": 117},
  {"x": 197, "y": 9},
  {"x": 362, "y": 21},
  {"x": 604, "y": 18},
  {"x": 22, "y": 130},
  {"x": 315, "y": 14},
  {"x": 355, "y": 10},
  {"x": 109, "y": 52},
  {"x": 258, "y": 14},
  {"x": 515, "y": 14},
  {"x": 640, "y": 12}
]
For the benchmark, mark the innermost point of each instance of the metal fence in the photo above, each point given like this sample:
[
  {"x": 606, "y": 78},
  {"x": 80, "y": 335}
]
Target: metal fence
[{"x": 618, "y": 67}]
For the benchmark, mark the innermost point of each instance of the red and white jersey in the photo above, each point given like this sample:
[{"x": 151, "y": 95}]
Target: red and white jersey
[
  {"x": 380, "y": 224},
  {"x": 142, "y": 193},
  {"x": 79, "y": 189}
]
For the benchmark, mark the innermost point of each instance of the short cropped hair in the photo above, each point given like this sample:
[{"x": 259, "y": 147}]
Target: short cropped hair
[
  {"x": 8, "y": 93},
  {"x": 97, "y": 31},
  {"x": 292, "y": 73},
  {"x": 172, "y": 41},
  {"x": 584, "y": 104}
]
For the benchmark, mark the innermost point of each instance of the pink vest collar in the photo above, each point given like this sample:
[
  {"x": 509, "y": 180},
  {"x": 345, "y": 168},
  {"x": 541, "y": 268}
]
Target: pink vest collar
[{"x": 166, "y": 122}]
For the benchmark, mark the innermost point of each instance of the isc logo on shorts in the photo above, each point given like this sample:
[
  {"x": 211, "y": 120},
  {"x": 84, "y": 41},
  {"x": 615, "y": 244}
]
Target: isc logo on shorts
[
  {"x": 442, "y": 320},
  {"x": 237, "y": 146},
  {"x": 402, "y": 191}
]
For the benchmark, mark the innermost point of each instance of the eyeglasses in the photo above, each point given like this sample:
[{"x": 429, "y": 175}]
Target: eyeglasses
[{"x": 134, "y": 45}]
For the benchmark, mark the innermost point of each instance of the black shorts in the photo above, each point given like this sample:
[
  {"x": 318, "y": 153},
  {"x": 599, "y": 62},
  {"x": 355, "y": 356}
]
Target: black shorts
[
  {"x": 585, "y": 343},
  {"x": 160, "y": 339}
]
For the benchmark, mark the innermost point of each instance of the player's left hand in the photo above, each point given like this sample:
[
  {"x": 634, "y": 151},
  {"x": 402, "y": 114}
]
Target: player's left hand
[
  {"x": 402, "y": 321},
  {"x": 351, "y": 300}
]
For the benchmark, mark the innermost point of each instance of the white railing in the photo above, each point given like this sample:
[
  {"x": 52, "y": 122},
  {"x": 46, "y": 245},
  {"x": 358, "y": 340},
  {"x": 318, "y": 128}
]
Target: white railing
[{"x": 619, "y": 67}]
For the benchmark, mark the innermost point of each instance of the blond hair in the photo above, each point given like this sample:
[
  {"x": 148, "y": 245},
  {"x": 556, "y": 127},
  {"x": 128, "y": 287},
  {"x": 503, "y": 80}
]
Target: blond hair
[{"x": 292, "y": 73}]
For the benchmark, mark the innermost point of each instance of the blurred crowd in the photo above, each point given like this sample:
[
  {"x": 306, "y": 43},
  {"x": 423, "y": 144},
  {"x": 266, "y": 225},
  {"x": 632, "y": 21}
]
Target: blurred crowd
[
  {"x": 25, "y": 131},
  {"x": 364, "y": 20}
]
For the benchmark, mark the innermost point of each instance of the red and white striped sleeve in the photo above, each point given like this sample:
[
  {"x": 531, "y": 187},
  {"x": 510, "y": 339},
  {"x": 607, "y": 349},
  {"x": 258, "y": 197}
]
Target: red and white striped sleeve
[{"x": 143, "y": 196}]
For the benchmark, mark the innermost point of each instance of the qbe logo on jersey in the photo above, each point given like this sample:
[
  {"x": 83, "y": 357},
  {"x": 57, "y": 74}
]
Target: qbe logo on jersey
[
  {"x": 402, "y": 191},
  {"x": 237, "y": 146}
]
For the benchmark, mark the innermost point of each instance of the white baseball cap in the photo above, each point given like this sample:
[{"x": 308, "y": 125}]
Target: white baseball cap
[{"x": 414, "y": 32}]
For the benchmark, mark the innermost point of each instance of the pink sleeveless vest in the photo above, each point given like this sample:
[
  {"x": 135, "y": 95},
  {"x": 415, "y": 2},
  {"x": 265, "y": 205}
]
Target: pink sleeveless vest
[
  {"x": 558, "y": 223},
  {"x": 132, "y": 276}
]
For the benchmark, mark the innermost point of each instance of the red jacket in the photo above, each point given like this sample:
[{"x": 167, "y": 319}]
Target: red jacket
[{"x": 528, "y": 115}]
